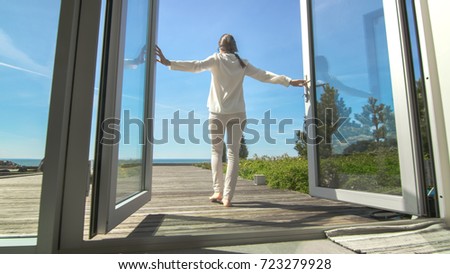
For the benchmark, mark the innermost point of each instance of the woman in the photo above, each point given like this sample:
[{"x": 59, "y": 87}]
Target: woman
[{"x": 226, "y": 107}]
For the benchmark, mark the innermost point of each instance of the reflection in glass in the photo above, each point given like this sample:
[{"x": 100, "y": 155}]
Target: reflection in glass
[
  {"x": 26, "y": 71},
  {"x": 131, "y": 148},
  {"x": 354, "y": 102}
]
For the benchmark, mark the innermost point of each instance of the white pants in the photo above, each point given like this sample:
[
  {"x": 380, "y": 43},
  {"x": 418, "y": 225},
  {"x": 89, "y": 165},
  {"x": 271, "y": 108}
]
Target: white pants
[{"x": 234, "y": 125}]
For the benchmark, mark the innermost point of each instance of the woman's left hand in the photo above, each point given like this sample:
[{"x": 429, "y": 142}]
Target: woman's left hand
[
  {"x": 298, "y": 82},
  {"x": 162, "y": 59}
]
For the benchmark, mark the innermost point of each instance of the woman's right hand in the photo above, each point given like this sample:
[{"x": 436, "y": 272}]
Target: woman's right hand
[
  {"x": 161, "y": 58},
  {"x": 298, "y": 82}
]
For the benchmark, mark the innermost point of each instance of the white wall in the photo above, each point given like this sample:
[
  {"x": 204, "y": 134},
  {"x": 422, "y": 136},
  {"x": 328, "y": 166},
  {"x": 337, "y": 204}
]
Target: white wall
[
  {"x": 440, "y": 23},
  {"x": 439, "y": 19}
]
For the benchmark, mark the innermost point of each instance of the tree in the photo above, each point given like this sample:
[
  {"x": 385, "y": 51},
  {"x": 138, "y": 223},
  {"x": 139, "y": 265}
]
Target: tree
[
  {"x": 243, "y": 151},
  {"x": 332, "y": 115},
  {"x": 423, "y": 118},
  {"x": 379, "y": 118},
  {"x": 331, "y": 109},
  {"x": 224, "y": 153},
  {"x": 301, "y": 144}
]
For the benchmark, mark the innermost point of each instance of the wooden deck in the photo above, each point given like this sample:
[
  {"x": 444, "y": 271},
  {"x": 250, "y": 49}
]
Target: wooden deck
[
  {"x": 19, "y": 205},
  {"x": 180, "y": 207}
]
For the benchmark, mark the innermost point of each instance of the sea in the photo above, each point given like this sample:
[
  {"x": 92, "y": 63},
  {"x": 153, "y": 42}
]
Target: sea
[
  {"x": 35, "y": 162},
  {"x": 23, "y": 162}
]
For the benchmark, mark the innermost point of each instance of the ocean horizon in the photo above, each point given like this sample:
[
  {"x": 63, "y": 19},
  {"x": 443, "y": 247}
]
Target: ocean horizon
[{"x": 35, "y": 162}]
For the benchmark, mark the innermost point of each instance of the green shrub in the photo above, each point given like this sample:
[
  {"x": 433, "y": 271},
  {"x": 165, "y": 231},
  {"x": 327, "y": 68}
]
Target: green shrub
[
  {"x": 203, "y": 165},
  {"x": 374, "y": 171},
  {"x": 377, "y": 172},
  {"x": 281, "y": 172}
]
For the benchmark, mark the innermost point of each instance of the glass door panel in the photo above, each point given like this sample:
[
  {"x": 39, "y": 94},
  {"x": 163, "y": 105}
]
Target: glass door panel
[
  {"x": 131, "y": 164},
  {"x": 354, "y": 83},
  {"x": 26, "y": 73},
  {"x": 123, "y": 154},
  {"x": 358, "y": 105}
]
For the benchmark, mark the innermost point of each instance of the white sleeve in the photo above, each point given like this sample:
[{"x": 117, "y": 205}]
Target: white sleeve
[
  {"x": 193, "y": 66},
  {"x": 266, "y": 76}
]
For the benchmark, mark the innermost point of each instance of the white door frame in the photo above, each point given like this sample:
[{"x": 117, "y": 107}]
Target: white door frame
[
  {"x": 438, "y": 115},
  {"x": 67, "y": 149},
  {"x": 409, "y": 201},
  {"x": 65, "y": 182},
  {"x": 109, "y": 213}
]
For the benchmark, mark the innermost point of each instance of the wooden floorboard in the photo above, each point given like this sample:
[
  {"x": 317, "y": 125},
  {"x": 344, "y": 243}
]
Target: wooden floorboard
[{"x": 180, "y": 207}]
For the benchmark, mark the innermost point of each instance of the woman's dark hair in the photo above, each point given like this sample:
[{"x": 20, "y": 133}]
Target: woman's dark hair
[{"x": 228, "y": 44}]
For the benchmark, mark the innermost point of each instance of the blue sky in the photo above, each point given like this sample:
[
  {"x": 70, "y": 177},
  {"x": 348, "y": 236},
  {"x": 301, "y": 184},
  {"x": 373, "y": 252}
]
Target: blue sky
[
  {"x": 267, "y": 32},
  {"x": 27, "y": 44},
  {"x": 268, "y": 35}
]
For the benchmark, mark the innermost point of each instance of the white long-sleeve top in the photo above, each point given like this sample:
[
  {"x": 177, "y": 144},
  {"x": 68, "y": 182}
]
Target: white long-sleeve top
[{"x": 226, "y": 93}]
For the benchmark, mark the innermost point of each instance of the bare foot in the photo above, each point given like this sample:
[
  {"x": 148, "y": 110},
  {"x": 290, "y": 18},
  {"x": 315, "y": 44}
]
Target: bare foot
[
  {"x": 226, "y": 203},
  {"x": 217, "y": 197}
]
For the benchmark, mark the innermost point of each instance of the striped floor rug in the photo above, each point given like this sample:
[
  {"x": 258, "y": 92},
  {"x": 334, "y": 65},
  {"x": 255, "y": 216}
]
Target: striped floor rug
[{"x": 424, "y": 237}]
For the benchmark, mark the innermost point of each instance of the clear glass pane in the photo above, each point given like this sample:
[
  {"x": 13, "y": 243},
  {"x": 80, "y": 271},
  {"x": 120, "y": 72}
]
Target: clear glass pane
[
  {"x": 131, "y": 162},
  {"x": 354, "y": 98},
  {"x": 28, "y": 31}
]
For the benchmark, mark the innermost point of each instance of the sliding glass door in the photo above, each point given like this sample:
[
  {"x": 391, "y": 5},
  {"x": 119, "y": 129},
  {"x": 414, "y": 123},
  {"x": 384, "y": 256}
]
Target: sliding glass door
[{"x": 358, "y": 111}]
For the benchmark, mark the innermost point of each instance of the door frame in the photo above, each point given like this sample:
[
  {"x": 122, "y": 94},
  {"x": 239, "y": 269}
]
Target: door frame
[
  {"x": 430, "y": 20},
  {"x": 67, "y": 177},
  {"x": 62, "y": 206},
  {"x": 410, "y": 201}
]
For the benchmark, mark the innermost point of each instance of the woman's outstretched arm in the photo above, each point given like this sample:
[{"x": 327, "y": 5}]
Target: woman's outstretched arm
[
  {"x": 188, "y": 66},
  {"x": 270, "y": 77}
]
